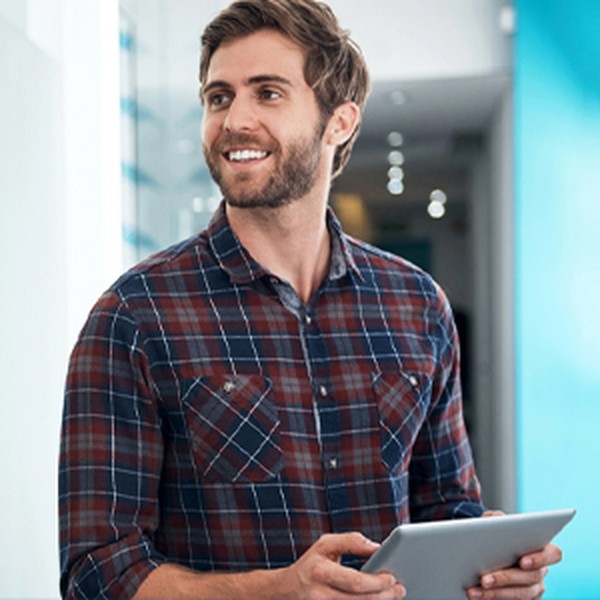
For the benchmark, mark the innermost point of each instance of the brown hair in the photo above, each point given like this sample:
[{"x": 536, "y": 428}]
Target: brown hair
[{"x": 334, "y": 66}]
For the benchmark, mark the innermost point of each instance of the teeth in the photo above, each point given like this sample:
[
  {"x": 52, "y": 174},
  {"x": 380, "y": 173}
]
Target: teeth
[{"x": 242, "y": 155}]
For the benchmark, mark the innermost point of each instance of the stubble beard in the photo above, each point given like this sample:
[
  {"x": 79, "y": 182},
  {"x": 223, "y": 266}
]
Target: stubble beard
[{"x": 293, "y": 176}]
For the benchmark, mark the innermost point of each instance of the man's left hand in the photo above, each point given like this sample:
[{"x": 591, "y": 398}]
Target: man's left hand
[{"x": 523, "y": 582}]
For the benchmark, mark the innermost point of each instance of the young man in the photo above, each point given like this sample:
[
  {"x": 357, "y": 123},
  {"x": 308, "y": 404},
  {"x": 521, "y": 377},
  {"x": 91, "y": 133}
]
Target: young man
[{"x": 246, "y": 411}]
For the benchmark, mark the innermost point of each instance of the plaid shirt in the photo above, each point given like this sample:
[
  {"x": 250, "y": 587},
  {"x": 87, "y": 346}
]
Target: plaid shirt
[{"x": 213, "y": 420}]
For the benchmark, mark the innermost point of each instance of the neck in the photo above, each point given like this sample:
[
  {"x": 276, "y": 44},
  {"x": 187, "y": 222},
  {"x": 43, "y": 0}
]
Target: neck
[{"x": 292, "y": 241}]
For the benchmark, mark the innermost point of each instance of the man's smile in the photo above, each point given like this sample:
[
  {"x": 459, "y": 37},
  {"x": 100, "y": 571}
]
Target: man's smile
[{"x": 245, "y": 155}]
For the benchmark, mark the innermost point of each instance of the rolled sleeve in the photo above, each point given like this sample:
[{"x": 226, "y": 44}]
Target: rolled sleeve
[
  {"x": 110, "y": 460},
  {"x": 442, "y": 474}
]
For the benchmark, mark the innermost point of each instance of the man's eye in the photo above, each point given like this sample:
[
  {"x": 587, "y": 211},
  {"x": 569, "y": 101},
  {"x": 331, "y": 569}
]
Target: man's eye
[
  {"x": 218, "y": 100},
  {"x": 268, "y": 94}
]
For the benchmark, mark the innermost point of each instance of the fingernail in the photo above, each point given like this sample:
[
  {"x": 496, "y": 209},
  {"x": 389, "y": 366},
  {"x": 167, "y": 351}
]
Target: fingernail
[
  {"x": 475, "y": 593},
  {"x": 527, "y": 563},
  {"x": 488, "y": 581}
]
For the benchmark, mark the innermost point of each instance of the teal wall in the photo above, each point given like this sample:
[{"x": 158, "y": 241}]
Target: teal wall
[{"x": 557, "y": 218}]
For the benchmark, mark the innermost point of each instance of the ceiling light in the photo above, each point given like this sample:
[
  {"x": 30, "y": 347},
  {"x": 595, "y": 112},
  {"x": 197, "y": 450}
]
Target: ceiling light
[
  {"x": 436, "y": 210},
  {"x": 395, "y": 187},
  {"x": 396, "y": 172},
  {"x": 395, "y": 139},
  {"x": 438, "y": 196},
  {"x": 397, "y": 97},
  {"x": 395, "y": 157}
]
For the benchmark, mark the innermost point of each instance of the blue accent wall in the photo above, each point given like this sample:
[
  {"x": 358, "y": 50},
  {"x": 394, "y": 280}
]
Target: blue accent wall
[{"x": 557, "y": 236}]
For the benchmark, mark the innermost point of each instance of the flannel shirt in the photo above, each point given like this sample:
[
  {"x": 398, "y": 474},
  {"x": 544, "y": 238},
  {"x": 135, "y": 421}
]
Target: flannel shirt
[{"x": 213, "y": 420}]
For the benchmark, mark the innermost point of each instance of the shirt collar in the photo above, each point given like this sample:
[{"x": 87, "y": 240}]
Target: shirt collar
[
  {"x": 236, "y": 261},
  {"x": 342, "y": 259}
]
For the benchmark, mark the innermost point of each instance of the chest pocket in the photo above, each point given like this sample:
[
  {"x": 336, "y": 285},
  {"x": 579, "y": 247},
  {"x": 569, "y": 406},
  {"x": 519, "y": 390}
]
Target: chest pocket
[
  {"x": 402, "y": 401},
  {"x": 233, "y": 428}
]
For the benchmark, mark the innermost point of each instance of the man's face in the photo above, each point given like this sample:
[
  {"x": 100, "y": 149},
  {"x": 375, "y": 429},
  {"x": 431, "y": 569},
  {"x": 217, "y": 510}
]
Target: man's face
[{"x": 262, "y": 128}]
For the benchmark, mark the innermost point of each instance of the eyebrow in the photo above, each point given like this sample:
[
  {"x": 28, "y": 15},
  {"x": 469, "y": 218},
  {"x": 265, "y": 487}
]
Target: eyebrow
[{"x": 257, "y": 79}]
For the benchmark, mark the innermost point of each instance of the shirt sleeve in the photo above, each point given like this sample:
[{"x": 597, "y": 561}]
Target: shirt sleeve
[
  {"x": 443, "y": 481},
  {"x": 110, "y": 460}
]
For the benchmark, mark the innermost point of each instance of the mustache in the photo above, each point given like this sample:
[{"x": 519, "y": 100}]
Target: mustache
[{"x": 228, "y": 141}]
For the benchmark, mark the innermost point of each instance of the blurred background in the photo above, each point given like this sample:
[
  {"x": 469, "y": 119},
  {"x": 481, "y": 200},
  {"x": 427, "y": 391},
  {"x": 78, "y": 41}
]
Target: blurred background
[{"x": 478, "y": 160}]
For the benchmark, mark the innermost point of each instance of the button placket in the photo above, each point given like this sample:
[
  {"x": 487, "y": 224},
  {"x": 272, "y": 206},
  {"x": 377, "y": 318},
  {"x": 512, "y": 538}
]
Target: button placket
[{"x": 325, "y": 408}]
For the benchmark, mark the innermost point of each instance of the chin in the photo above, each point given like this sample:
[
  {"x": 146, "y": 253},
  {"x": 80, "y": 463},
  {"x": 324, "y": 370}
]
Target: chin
[{"x": 254, "y": 202}]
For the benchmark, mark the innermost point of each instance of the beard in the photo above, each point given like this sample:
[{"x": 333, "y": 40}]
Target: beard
[{"x": 292, "y": 177}]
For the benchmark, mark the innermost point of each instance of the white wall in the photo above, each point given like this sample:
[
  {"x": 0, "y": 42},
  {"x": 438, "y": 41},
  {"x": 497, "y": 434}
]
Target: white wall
[
  {"x": 401, "y": 39},
  {"x": 424, "y": 39},
  {"x": 59, "y": 229},
  {"x": 493, "y": 361},
  {"x": 33, "y": 309}
]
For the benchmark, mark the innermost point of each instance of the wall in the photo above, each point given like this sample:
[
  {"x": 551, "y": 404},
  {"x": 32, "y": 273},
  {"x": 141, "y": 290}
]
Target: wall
[
  {"x": 32, "y": 305},
  {"x": 558, "y": 277},
  {"x": 492, "y": 250},
  {"x": 413, "y": 39},
  {"x": 59, "y": 242}
]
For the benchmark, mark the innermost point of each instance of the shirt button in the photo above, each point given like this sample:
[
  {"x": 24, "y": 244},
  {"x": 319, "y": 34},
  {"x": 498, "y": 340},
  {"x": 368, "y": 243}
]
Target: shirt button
[
  {"x": 323, "y": 390},
  {"x": 413, "y": 381},
  {"x": 333, "y": 462},
  {"x": 308, "y": 319},
  {"x": 228, "y": 387}
]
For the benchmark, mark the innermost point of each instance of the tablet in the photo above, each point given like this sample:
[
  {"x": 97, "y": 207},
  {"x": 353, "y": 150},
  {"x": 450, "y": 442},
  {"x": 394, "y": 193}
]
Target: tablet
[{"x": 439, "y": 560}]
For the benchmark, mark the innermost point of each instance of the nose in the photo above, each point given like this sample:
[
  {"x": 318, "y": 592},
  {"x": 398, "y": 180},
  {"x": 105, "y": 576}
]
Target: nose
[{"x": 240, "y": 115}]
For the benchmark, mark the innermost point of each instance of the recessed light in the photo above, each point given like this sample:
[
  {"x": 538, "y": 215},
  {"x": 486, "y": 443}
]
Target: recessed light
[
  {"x": 395, "y": 139},
  {"x": 396, "y": 172},
  {"x": 436, "y": 210},
  {"x": 438, "y": 196},
  {"x": 395, "y": 187},
  {"x": 397, "y": 97},
  {"x": 395, "y": 157}
]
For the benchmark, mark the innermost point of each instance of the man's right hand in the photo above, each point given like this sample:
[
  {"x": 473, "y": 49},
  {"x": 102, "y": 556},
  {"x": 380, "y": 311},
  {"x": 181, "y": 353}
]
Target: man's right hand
[{"x": 316, "y": 575}]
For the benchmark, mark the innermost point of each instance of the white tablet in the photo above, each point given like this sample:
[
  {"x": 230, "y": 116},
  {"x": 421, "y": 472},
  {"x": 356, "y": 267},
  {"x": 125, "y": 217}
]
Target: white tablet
[{"x": 439, "y": 560}]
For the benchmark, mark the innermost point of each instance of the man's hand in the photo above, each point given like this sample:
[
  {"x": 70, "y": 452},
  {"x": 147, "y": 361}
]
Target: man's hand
[
  {"x": 523, "y": 582},
  {"x": 318, "y": 573}
]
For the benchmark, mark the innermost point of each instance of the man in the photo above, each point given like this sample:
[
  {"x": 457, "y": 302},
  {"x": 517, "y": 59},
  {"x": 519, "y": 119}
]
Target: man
[{"x": 247, "y": 410}]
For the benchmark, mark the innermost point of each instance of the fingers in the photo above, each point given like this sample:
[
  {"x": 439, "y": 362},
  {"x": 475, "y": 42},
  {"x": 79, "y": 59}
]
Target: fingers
[
  {"x": 525, "y": 582},
  {"x": 493, "y": 513},
  {"x": 335, "y": 545},
  {"x": 532, "y": 592},
  {"x": 346, "y": 579},
  {"x": 512, "y": 578},
  {"x": 549, "y": 555},
  {"x": 319, "y": 574}
]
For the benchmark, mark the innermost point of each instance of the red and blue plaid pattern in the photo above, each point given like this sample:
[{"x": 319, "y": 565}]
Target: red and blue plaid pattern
[{"x": 212, "y": 420}]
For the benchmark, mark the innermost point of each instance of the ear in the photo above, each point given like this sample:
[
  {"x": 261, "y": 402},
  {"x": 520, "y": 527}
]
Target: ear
[{"x": 342, "y": 123}]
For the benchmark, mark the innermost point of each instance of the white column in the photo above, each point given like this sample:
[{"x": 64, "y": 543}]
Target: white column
[{"x": 59, "y": 247}]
